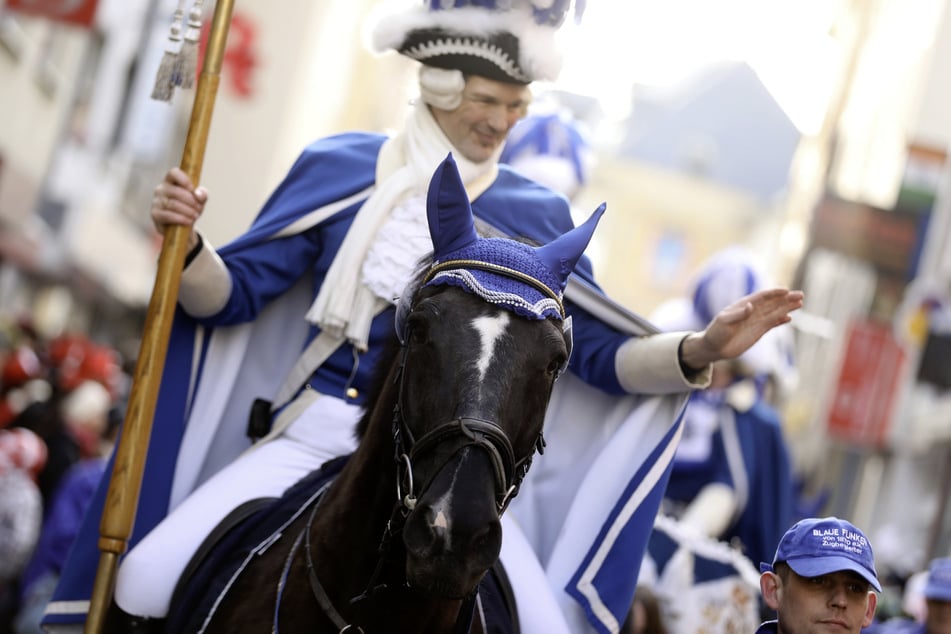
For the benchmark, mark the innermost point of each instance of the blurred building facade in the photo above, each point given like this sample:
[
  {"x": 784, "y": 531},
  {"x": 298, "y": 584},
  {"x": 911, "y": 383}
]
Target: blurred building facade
[{"x": 861, "y": 220}]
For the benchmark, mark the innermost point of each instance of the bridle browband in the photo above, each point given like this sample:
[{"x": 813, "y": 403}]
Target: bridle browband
[{"x": 498, "y": 269}]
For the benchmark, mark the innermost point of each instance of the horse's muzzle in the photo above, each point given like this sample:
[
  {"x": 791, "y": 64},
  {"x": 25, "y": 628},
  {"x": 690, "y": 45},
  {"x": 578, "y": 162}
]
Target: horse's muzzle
[{"x": 454, "y": 534}]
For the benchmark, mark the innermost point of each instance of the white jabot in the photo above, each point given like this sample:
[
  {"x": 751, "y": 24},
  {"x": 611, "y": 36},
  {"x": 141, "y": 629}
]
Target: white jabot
[
  {"x": 399, "y": 246},
  {"x": 345, "y": 304}
]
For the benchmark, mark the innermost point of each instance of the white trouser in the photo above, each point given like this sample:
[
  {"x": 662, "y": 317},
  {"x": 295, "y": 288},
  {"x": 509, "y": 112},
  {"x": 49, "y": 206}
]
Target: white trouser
[{"x": 148, "y": 574}]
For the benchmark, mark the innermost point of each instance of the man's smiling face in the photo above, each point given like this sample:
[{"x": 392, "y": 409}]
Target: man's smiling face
[{"x": 481, "y": 123}]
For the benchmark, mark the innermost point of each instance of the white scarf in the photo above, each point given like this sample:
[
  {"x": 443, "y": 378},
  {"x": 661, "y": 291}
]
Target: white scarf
[{"x": 345, "y": 306}]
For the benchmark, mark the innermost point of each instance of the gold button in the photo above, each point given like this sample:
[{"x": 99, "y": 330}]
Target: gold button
[{"x": 352, "y": 392}]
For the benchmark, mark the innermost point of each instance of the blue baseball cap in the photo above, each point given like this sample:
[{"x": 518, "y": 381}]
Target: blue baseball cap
[
  {"x": 819, "y": 546},
  {"x": 939, "y": 580}
]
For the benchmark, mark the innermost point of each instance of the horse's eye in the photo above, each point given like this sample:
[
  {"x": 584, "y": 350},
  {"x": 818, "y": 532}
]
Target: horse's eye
[
  {"x": 418, "y": 330},
  {"x": 555, "y": 365}
]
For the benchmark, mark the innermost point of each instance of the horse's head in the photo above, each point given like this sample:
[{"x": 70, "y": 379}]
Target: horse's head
[{"x": 484, "y": 337}]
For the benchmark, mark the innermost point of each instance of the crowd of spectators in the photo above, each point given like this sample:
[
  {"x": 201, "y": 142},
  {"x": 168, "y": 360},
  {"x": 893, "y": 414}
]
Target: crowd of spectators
[{"x": 61, "y": 402}]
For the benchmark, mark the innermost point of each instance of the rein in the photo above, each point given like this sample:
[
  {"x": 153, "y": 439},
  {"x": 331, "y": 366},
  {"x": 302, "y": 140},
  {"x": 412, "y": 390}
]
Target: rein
[
  {"x": 318, "y": 590},
  {"x": 463, "y": 621},
  {"x": 315, "y": 586}
]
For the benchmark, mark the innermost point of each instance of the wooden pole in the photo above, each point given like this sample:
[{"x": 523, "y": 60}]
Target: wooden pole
[{"x": 118, "y": 515}]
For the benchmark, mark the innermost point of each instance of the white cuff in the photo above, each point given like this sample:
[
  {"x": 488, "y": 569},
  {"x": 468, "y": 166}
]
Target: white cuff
[
  {"x": 712, "y": 510},
  {"x": 651, "y": 365},
  {"x": 205, "y": 284}
]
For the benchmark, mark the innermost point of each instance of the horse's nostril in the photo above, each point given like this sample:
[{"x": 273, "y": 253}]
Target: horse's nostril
[{"x": 487, "y": 538}]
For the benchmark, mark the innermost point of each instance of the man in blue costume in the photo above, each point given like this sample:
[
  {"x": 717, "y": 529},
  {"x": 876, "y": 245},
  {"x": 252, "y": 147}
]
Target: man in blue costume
[
  {"x": 934, "y": 598},
  {"x": 731, "y": 480},
  {"x": 319, "y": 271},
  {"x": 937, "y": 595},
  {"x": 551, "y": 147}
]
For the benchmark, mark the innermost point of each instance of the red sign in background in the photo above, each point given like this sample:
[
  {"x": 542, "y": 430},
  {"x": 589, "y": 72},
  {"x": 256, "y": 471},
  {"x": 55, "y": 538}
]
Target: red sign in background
[
  {"x": 240, "y": 58},
  {"x": 867, "y": 388},
  {"x": 78, "y": 12}
]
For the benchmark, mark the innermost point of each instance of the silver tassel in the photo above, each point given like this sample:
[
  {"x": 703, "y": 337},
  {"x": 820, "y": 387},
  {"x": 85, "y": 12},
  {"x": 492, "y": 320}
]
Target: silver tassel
[
  {"x": 188, "y": 59},
  {"x": 165, "y": 77}
]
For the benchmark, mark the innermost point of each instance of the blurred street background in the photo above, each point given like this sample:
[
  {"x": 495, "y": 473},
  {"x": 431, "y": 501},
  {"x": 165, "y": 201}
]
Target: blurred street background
[{"x": 814, "y": 132}]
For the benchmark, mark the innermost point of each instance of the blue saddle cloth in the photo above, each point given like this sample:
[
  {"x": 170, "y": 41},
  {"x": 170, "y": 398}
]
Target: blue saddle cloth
[{"x": 227, "y": 549}]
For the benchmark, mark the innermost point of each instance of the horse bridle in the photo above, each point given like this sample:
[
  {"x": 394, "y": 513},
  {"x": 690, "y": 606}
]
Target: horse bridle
[
  {"x": 508, "y": 471},
  {"x": 488, "y": 435}
]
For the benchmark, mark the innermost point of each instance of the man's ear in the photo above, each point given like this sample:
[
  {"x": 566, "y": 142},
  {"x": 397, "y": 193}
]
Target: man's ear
[
  {"x": 870, "y": 611},
  {"x": 769, "y": 586}
]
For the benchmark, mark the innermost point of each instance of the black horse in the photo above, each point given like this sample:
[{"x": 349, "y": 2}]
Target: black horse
[{"x": 401, "y": 538}]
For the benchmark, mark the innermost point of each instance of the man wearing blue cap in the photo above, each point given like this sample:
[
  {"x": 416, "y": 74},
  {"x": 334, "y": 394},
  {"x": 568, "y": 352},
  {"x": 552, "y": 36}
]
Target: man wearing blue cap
[
  {"x": 937, "y": 595},
  {"x": 927, "y": 599},
  {"x": 821, "y": 580}
]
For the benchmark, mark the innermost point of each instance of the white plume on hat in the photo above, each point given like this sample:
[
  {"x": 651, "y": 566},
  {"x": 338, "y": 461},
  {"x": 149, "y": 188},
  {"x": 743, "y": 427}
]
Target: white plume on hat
[{"x": 468, "y": 31}]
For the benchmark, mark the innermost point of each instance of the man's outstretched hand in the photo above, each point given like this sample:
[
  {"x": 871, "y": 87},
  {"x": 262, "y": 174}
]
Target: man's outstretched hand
[{"x": 737, "y": 327}]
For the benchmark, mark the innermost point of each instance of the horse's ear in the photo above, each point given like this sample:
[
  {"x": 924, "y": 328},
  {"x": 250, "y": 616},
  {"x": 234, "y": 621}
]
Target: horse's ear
[
  {"x": 561, "y": 254},
  {"x": 448, "y": 210}
]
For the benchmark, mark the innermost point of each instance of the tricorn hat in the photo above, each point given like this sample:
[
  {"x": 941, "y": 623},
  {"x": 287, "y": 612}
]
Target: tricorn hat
[{"x": 505, "y": 40}]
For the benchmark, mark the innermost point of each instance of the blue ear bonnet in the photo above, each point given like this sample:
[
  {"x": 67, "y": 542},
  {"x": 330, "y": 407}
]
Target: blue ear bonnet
[
  {"x": 524, "y": 279},
  {"x": 505, "y": 273}
]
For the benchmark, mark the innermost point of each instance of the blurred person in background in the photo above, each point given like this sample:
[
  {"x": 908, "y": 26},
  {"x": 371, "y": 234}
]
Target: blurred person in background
[
  {"x": 63, "y": 518},
  {"x": 23, "y": 370},
  {"x": 22, "y": 457},
  {"x": 732, "y": 477},
  {"x": 64, "y": 391},
  {"x": 85, "y": 380},
  {"x": 937, "y": 595},
  {"x": 934, "y": 616},
  {"x": 551, "y": 147},
  {"x": 23, "y": 382}
]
